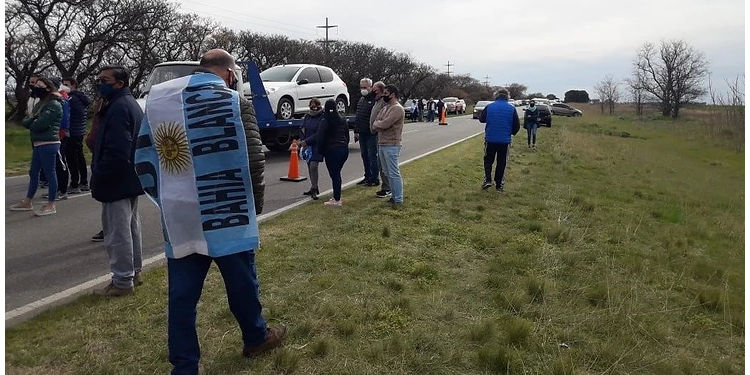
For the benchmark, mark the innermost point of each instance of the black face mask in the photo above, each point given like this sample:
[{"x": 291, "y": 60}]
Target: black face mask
[
  {"x": 38, "y": 92},
  {"x": 386, "y": 99}
]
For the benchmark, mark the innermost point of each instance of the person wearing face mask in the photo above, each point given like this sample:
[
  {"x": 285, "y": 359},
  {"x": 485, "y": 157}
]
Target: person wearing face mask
[
  {"x": 74, "y": 145},
  {"x": 44, "y": 126},
  {"x": 389, "y": 124},
  {"x": 310, "y": 125},
  {"x": 368, "y": 143},
  {"x": 61, "y": 164},
  {"x": 430, "y": 110},
  {"x": 531, "y": 124},
  {"x": 114, "y": 182},
  {"x": 333, "y": 139},
  {"x": 385, "y": 186},
  {"x": 420, "y": 107}
]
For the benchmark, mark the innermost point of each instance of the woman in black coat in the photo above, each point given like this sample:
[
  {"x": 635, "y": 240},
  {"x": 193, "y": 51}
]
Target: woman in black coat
[{"x": 333, "y": 140}]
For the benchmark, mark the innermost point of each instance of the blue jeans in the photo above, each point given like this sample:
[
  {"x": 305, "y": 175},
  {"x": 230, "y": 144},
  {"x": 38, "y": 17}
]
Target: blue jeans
[
  {"x": 430, "y": 115},
  {"x": 389, "y": 156},
  {"x": 186, "y": 276},
  {"x": 43, "y": 158},
  {"x": 531, "y": 132},
  {"x": 335, "y": 158},
  {"x": 368, "y": 147}
]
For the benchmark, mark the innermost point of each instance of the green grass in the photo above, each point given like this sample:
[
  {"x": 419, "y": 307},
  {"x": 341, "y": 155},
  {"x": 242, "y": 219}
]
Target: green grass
[
  {"x": 18, "y": 149},
  {"x": 605, "y": 255}
]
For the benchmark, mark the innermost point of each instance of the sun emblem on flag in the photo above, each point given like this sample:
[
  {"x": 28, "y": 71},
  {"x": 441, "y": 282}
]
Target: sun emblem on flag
[{"x": 172, "y": 146}]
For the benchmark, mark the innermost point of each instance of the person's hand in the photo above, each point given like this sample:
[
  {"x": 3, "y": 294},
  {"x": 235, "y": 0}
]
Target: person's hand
[{"x": 356, "y": 137}]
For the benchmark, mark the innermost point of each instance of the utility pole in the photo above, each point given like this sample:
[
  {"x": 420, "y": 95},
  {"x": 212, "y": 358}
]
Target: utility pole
[
  {"x": 326, "y": 41},
  {"x": 487, "y": 81},
  {"x": 449, "y": 67}
]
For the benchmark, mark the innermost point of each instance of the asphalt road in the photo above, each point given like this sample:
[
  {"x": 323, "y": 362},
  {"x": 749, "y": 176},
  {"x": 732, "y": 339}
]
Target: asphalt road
[{"x": 46, "y": 255}]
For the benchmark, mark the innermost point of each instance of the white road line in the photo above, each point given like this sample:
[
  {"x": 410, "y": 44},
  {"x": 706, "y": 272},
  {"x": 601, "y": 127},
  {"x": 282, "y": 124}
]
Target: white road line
[{"x": 32, "y": 309}]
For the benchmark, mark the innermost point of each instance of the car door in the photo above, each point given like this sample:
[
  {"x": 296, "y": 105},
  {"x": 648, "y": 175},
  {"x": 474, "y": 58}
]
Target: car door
[
  {"x": 310, "y": 89},
  {"x": 327, "y": 84}
]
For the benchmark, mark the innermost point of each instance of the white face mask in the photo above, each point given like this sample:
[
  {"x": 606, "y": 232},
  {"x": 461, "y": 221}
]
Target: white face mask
[
  {"x": 65, "y": 88},
  {"x": 364, "y": 92}
]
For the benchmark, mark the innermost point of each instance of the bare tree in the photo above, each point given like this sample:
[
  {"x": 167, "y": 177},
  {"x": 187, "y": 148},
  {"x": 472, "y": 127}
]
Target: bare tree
[
  {"x": 637, "y": 92},
  {"x": 516, "y": 90},
  {"x": 24, "y": 56},
  {"x": 673, "y": 73},
  {"x": 608, "y": 92}
]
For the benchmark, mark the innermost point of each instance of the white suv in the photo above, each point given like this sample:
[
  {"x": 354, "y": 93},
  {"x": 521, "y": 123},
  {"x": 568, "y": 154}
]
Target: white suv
[{"x": 290, "y": 88}]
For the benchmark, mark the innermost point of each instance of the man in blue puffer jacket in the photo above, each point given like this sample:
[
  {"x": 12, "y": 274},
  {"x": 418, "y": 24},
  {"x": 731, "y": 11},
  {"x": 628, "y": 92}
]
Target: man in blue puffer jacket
[
  {"x": 74, "y": 147},
  {"x": 502, "y": 122}
]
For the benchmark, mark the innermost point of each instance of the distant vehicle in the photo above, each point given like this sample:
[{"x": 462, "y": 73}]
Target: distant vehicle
[
  {"x": 479, "y": 107},
  {"x": 460, "y": 106},
  {"x": 541, "y": 101},
  {"x": 544, "y": 114},
  {"x": 409, "y": 108},
  {"x": 565, "y": 110},
  {"x": 450, "y": 104},
  {"x": 290, "y": 88}
]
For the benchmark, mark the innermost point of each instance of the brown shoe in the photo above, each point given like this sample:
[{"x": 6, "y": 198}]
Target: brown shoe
[
  {"x": 112, "y": 291},
  {"x": 274, "y": 337}
]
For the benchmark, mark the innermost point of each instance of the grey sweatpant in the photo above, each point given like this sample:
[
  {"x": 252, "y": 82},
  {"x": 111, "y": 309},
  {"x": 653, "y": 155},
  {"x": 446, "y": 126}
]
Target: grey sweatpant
[
  {"x": 122, "y": 239},
  {"x": 312, "y": 167}
]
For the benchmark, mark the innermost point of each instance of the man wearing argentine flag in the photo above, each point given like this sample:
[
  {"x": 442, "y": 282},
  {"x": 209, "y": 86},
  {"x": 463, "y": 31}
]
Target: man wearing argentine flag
[{"x": 199, "y": 159}]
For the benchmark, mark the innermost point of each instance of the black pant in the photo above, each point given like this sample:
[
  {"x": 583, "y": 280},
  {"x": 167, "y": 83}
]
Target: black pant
[
  {"x": 492, "y": 152},
  {"x": 76, "y": 161},
  {"x": 335, "y": 158}
]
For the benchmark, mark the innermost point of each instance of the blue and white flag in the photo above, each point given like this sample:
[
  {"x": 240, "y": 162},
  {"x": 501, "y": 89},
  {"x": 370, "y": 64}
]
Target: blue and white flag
[{"x": 191, "y": 158}]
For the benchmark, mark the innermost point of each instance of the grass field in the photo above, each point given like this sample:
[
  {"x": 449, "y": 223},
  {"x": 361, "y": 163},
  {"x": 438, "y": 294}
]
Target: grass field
[
  {"x": 18, "y": 150},
  {"x": 617, "y": 248}
]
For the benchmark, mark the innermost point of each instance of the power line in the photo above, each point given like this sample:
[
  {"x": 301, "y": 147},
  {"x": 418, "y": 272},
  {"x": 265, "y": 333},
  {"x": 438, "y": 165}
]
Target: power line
[{"x": 243, "y": 20}]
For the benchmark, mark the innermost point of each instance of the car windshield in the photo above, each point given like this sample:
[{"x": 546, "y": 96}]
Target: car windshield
[
  {"x": 450, "y": 100},
  {"x": 165, "y": 73},
  {"x": 482, "y": 103},
  {"x": 279, "y": 73}
]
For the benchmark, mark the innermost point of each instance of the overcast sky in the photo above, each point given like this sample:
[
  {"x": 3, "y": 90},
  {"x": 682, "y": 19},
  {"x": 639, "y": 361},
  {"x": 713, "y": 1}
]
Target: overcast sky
[{"x": 549, "y": 46}]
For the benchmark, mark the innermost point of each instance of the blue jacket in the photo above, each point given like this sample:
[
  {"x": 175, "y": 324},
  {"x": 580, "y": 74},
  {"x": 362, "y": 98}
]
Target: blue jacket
[
  {"x": 78, "y": 104},
  {"x": 113, "y": 174},
  {"x": 310, "y": 125},
  {"x": 502, "y": 121}
]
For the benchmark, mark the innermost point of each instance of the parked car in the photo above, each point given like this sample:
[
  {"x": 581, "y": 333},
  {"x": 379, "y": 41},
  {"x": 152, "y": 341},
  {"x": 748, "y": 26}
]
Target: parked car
[
  {"x": 460, "y": 106},
  {"x": 450, "y": 104},
  {"x": 479, "y": 107},
  {"x": 544, "y": 114},
  {"x": 290, "y": 88},
  {"x": 565, "y": 110}
]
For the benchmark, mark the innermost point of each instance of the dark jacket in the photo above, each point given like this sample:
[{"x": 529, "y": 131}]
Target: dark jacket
[
  {"x": 332, "y": 132},
  {"x": 530, "y": 117},
  {"x": 78, "y": 104},
  {"x": 113, "y": 174},
  {"x": 502, "y": 121},
  {"x": 364, "y": 109},
  {"x": 44, "y": 122},
  {"x": 255, "y": 154},
  {"x": 440, "y": 106},
  {"x": 310, "y": 126}
]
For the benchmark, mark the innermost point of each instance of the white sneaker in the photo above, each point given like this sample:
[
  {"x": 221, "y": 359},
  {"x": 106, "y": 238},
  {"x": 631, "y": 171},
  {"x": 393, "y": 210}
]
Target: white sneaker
[
  {"x": 21, "y": 206},
  {"x": 46, "y": 211},
  {"x": 333, "y": 202}
]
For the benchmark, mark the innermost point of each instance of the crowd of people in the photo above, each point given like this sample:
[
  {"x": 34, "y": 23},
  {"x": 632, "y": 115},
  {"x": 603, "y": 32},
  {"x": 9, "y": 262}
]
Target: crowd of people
[{"x": 57, "y": 123}]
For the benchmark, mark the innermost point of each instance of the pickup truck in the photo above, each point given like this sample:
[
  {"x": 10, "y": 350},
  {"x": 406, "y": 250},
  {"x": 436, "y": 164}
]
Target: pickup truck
[{"x": 277, "y": 134}]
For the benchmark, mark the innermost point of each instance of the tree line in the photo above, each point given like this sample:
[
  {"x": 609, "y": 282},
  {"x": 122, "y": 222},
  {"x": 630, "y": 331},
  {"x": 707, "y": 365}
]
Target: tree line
[{"x": 73, "y": 38}]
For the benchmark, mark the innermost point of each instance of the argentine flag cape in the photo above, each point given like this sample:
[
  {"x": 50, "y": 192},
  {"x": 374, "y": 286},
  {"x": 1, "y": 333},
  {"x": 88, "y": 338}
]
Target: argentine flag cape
[{"x": 191, "y": 159}]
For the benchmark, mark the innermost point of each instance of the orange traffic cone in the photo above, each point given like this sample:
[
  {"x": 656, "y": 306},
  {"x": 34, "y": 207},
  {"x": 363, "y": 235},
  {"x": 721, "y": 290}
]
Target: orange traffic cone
[
  {"x": 443, "y": 121},
  {"x": 293, "y": 174}
]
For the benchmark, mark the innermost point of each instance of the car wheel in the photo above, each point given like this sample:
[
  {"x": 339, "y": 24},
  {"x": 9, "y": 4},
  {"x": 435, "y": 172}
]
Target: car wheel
[
  {"x": 285, "y": 110},
  {"x": 341, "y": 105},
  {"x": 577, "y": 114}
]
